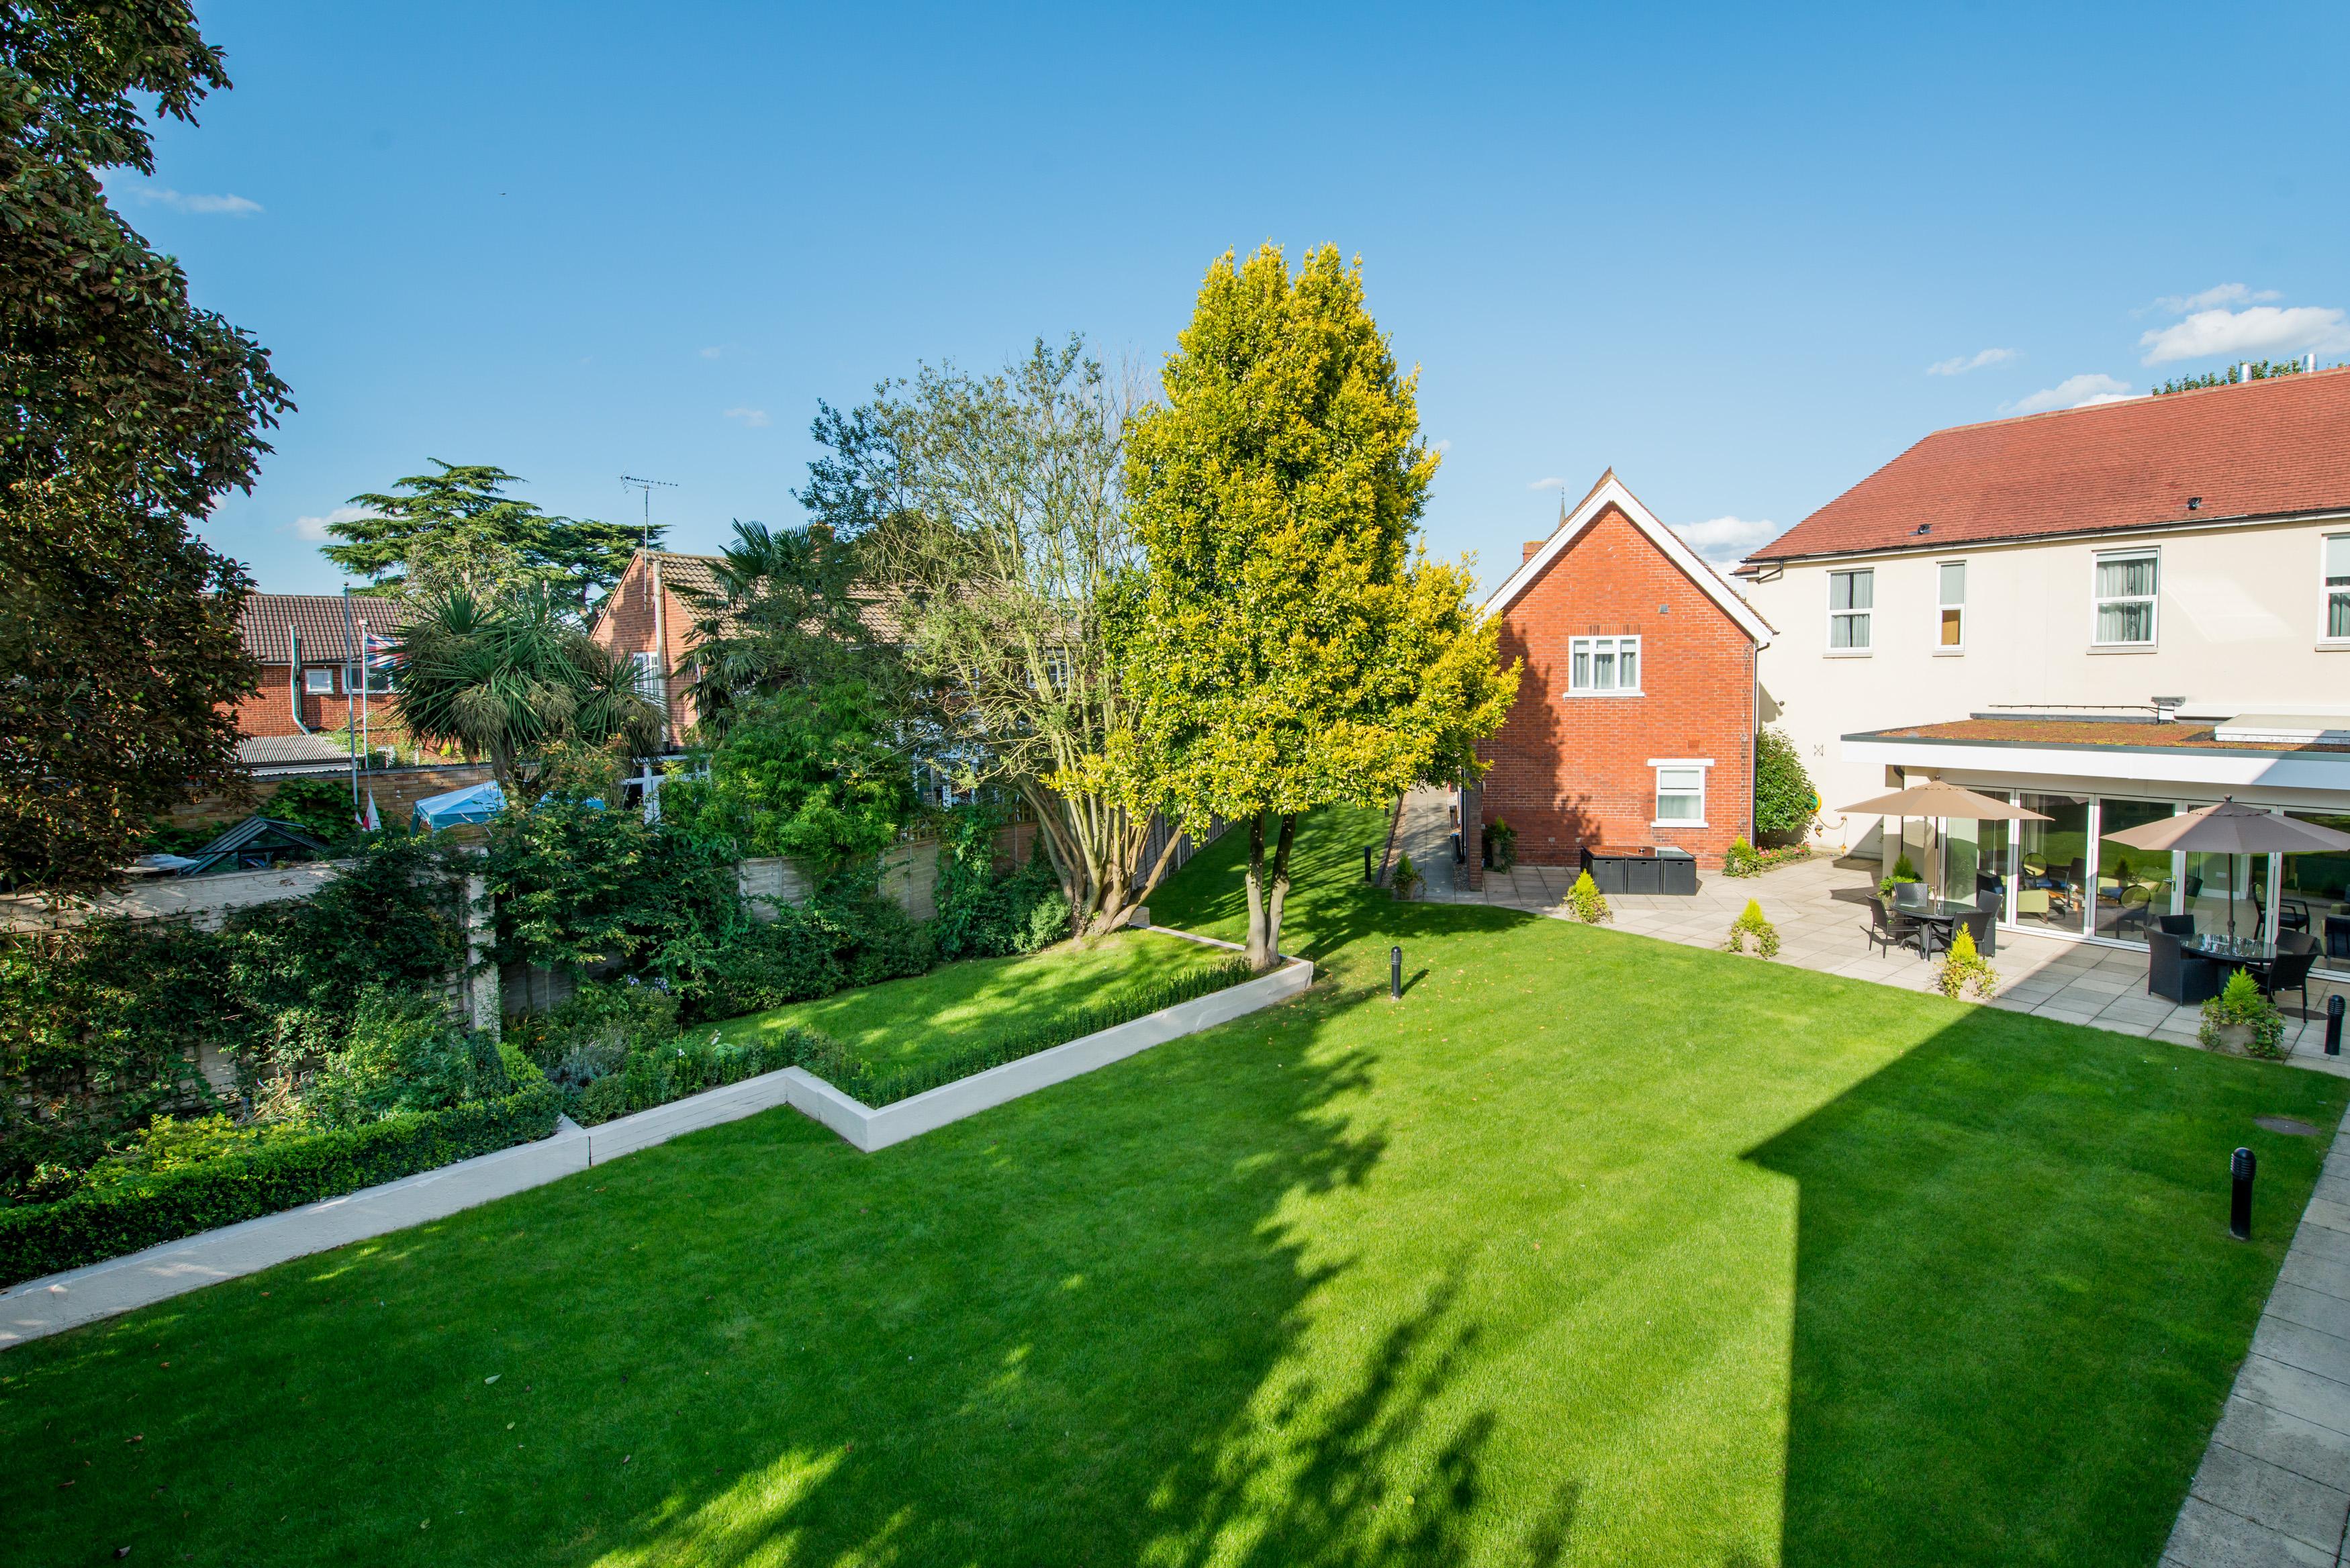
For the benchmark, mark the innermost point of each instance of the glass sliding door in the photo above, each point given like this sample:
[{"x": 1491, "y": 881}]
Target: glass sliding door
[
  {"x": 2314, "y": 890},
  {"x": 2051, "y": 864},
  {"x": 2133, "y": 885},
  {"x": 1974, "y": 857}
]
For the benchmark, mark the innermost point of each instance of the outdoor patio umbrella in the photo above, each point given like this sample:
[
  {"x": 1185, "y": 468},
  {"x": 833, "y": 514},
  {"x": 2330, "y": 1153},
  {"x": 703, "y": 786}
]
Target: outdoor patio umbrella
[
  {"x": 1939, "y": 801},
  {"x": 2230, "y": 829}
]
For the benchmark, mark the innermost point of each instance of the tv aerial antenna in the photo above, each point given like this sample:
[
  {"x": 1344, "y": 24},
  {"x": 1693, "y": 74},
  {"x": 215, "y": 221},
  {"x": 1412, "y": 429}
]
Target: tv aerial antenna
[{"x": 647, "y": 486}]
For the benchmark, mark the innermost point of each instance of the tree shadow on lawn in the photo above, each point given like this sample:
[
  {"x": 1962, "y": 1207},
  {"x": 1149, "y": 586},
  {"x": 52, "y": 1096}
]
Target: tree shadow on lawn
[
  {"x": 2018, "y": 1311},
  {"x": 1072, "y": 1330}
]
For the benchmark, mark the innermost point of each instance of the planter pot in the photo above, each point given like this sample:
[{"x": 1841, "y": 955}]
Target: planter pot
[{"x": 2235, "y": 1039}]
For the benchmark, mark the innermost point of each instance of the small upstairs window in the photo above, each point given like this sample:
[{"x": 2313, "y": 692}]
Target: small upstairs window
[
  {"x": 318, "y": 680},
  {"x": 2337, "y": 587},
  {"x": 1852, "y": 596},
  {"x": 1603, "y": 667},
  {"x": 2128, "y": 587},
  {"x": 1952, "y": 576}
]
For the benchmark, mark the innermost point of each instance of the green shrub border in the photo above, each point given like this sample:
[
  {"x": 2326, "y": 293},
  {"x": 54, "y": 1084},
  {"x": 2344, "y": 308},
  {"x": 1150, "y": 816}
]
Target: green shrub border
[
  {"x": 48, "y": 1238},
  {"x": 853, "y": 1076}
]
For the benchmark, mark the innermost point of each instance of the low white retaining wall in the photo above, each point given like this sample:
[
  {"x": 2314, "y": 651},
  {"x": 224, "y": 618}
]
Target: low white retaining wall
[
  {"x": 871, "y": 1129},
  {"x": 50, "y": 1306}
]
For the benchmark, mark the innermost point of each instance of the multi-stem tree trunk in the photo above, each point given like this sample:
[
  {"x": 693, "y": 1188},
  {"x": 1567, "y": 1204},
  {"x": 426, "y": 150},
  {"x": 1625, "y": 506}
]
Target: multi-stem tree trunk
[
  {"x": 1096, "y": 850},
  {"x": 1265, "y": 898}
]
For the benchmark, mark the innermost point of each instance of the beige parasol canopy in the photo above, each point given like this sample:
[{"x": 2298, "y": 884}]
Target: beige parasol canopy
[
  {"x": 2230, "y": 829},
  {"x": 1935, "y": 798}
]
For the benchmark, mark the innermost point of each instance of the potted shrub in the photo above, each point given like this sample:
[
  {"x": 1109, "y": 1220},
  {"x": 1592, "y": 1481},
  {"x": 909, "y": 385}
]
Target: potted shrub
[
  {"x": 1588, "y": 903},
  {"x": 1406, "y": 882},
  {"x": 1963, "y": 966},
  {"x": 1751, "y": 922},
  {"x": 2242, "y": 1021},
  {"x": 1903, "y": 871},
  {"x": 1500, "y": 846},
  {"x": 1740, "y": 859}
]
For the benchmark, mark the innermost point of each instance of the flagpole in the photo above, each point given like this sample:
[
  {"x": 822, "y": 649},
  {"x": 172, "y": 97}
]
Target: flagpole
[{"x": 351, "y": 723}]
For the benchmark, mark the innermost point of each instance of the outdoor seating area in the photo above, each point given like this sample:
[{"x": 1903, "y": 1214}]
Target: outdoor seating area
[{"x": 1831, "y": 917}]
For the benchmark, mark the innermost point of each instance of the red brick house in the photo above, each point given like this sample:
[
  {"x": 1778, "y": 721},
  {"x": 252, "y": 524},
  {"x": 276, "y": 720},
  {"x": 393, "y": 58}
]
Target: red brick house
[
  {"x": 310, "y": 679},
  {"x": 648, "y": 617},
  {"x": 1635, "y": 720}
]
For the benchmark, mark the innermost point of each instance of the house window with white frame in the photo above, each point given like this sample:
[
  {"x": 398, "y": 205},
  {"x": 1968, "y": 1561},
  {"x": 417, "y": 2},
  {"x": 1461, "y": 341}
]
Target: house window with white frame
[
  {"x": 2337, "y": 587},
  {"x": 1851, "y": 598},
  {"x": 648, "y": 679},
  {"x": 318, "y": 680},
  {"x": 1951, "y": 581},
  {"x": 1680, "y": 792},
  {"x": 1603, "y": 667},
  {"x": 2128, "y": 584}
]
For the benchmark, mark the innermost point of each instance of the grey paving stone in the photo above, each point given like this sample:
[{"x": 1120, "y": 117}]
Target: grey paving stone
[
  {"x": 2286, "y": 1441},
  {"x": 2318, "y": 1400},
  {"x": 2311, "y": 1308},
  {"x": 2268, "y": 1494},
  {"x": 2317, "y": 1274},
  {"x": 2209, "y": 1536},
  {"x": 2300, "y": 1346}
]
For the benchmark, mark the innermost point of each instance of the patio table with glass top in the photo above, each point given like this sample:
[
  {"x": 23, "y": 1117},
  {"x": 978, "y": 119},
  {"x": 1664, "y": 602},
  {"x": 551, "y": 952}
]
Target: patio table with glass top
[
  {"x": 1943, "y": 914},
  {"x": 2249, "y": 952}
]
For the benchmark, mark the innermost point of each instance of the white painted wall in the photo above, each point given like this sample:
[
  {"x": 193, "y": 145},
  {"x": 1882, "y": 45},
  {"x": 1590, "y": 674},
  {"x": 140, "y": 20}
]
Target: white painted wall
[{"x": 2240, "y": 629}]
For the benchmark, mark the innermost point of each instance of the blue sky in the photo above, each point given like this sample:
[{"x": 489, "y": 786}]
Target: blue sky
[{"x": 1742, "y": 256}]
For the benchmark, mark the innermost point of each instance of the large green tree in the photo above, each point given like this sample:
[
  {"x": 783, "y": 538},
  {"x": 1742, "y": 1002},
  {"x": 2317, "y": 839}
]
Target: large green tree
[
  {"x": 128, "y": 412},
  {"x": 1289, "y": 648},
  {"x": 460, "y": 529},
  {"x": 788, "y": 612}
]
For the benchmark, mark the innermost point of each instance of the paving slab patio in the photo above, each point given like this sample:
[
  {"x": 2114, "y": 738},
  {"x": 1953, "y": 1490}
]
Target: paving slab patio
[{"x": 1820, "y": 909}]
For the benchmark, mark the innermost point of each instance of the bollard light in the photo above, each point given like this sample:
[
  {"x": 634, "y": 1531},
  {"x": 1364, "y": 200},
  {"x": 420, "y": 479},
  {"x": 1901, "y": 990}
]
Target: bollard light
[
  {"x": 2240, "y": 1166},
  {"x": 2334, "y": 1024},
  {"x": 1395, "y": 974}
]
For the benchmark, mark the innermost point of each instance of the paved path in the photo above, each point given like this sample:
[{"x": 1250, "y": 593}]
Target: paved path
[
  {"x": 2274, "y": 1486},
  {"x": 1821, "y": 912}
]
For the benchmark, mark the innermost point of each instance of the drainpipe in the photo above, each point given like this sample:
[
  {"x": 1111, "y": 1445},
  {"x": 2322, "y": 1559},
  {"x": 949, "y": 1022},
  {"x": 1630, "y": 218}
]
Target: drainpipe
[{"x": 294, "y": 676}]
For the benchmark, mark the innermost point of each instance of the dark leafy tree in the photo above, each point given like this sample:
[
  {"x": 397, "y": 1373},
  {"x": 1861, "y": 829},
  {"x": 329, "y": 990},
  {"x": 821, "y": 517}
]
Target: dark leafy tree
[
  {"x": 788, "y": 613},
  {"x": 128, "y": 410},
  {"x": 1784, "y": 800},
  {"x": 460, "y": 529}
]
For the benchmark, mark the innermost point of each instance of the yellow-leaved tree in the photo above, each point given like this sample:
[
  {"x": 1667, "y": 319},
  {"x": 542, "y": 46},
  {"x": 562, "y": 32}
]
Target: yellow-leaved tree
[{"x": 1287, "y": 646}]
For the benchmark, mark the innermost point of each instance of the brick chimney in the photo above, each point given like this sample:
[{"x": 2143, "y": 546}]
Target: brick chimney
[{"x": 1531, "y": 546}]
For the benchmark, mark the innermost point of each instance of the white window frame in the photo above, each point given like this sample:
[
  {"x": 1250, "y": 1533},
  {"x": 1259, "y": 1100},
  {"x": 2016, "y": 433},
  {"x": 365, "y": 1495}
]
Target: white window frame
[
  {"x": 1658, "y": 767},
  {"x": 1943, "y": 605},
  {"x": 310, "y": 676},
  {"x": 649, "y": 684},
  {"x": 1867, "y": 617},
  {"x": 2153, "y": 601},
  {"x": 1616, "y": 645},
  {"x": 2326, "y": 590}
]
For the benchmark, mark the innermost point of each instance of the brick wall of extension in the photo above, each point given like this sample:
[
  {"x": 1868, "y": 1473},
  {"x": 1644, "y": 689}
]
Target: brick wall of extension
[
  {"x": 1570, "y": 769},
  {"x": 269, "y": 709}
]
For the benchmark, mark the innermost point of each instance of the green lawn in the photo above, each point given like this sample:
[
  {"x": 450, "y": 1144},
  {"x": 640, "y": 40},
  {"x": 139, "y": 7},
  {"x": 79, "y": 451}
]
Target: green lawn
[
  {"x": 1592, "y": 1250},
  {"x": 962, "y": 1006}
]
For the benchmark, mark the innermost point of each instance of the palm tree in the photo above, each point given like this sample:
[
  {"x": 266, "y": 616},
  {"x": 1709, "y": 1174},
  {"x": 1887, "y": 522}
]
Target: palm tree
[
  {"x": 509, "y": 678},
  {"x": 788, "y": 612}
]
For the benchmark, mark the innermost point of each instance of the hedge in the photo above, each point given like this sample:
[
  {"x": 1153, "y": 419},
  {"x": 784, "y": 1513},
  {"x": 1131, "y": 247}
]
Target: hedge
[
  {"x": 854, "y": 1076},
  {"x": 45, "y": 1238}
]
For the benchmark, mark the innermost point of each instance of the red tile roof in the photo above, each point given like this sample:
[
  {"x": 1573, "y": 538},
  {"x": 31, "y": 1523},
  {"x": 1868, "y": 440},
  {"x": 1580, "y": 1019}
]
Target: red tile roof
[
  {"x": 2259, "y": 449},
  {"x": 267, "y": 619}
]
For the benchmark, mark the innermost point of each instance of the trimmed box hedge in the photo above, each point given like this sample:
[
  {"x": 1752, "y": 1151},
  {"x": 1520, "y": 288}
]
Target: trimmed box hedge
[{"x": 46, "y": 1238}]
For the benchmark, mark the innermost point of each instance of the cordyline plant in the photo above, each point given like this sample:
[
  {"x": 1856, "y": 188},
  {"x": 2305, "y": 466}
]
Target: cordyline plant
[
  {"x": 1289, "y": 648},
  {"x": 511, "y": 679}
]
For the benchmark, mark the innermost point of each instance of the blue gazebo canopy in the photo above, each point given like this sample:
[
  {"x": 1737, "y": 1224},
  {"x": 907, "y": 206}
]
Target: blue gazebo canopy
[{"x": 459, "y": 807}]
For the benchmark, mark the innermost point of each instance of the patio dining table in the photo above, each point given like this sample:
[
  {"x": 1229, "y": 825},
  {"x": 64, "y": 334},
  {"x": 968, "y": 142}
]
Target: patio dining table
[
  {"x": 2249, "y": 952},
  {"x": 1943, "y": 914}
]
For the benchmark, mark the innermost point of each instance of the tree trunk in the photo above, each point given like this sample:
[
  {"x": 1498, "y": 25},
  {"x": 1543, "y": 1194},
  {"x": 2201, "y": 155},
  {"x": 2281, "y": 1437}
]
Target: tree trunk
[{"x": 1266, "y": 895}]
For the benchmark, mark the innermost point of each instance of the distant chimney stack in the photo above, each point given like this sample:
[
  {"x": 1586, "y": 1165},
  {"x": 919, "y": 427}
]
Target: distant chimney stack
[{"x": 1531, "y": 546}]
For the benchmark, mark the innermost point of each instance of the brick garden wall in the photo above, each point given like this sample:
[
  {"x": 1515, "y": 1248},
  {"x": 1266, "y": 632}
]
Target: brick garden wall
[{"x": 1572, "y": 770}]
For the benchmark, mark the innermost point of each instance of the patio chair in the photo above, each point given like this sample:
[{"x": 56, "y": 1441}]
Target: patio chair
[
  {"x": 2293, "y": 915},
  {"x": 2337, "y": 936},
  {"x": 2177, "y": 975},
  {"x": 2177, "y": 925},
  {"x": 1888, "y": 930},
  {"x": 1983, "y": 926},
  {"x": 2032, "y": 901},
  {"x": 2296, "y": 956},
  {"x": 1911, "y": 893},
  {"x": 2138, "y": 906}
]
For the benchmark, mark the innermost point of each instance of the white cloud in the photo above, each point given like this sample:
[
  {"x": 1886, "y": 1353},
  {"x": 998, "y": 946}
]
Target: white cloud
[
  {"x": 714, "y": 350},
  {"x": 2073, "y": 392},
  {"x": 1964, "y": 363},
  {"x": 2260, "y": 329},
  {"x": 151, "y": 195},
  {"x": 1439, "y": 446},
  {"x": 1726, "y": 539},
  {"x": 753, "y": 419},
  {"x": 315, "y": 527},
  {"x": 2225, "y": 294},
  {"x": 1547, "y": 484}
]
